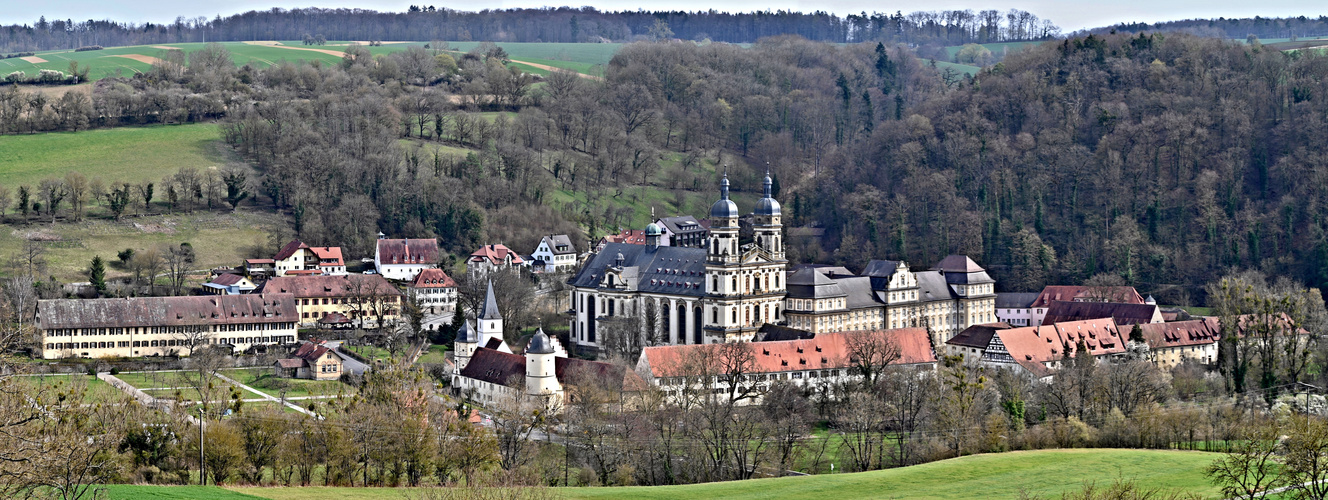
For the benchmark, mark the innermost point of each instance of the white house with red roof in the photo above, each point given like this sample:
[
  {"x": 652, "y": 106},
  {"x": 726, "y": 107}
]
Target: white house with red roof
[
  {"x": 490, "y": 258},
  {"x": 300, "y": 258},
  {"x": 434, "y": 291},
  {"x": 229, "y": 284},
  {"x": 403, "y": 259}
]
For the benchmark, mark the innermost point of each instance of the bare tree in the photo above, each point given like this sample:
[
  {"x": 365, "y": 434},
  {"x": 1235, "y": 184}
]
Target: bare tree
[
  {"x": 52, "y": 191},
  {"x": 870, "y": 353},
  {"x": 179, "y": 260},
  {"x": 789, "y": 415},
  {"x": 1251, "y": 467},
  {"x": 77, "y": 186}
]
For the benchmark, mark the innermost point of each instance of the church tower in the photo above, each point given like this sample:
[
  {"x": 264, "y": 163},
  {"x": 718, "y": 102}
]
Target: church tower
[
  {"x": 723, "y": 247},
  {"x": 467, "y": 340},
  {"x": 490, "y": 322},
  {"x": 766, "y": 224},
  {"x": 541, "y": 373}
]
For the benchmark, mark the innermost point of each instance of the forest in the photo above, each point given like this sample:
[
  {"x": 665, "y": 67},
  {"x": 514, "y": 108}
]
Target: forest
[
  {"x": 563, "y": 24},
  {"x": 1165, "y": 159}
]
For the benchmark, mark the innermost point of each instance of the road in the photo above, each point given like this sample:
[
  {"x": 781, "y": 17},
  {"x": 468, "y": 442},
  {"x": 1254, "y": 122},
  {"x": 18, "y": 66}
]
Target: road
[{"x": 348, "y": 363}]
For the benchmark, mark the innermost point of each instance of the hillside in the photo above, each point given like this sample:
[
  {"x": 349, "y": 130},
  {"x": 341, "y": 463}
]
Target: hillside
[{"x": 1045, "y": 473}]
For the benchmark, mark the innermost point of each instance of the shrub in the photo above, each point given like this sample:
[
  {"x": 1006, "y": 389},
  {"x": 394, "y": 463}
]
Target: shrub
[
  {"x": 115, "y": 371},
  {"x": 86, "y": 48},
  {"x": 16, "y": 77}
]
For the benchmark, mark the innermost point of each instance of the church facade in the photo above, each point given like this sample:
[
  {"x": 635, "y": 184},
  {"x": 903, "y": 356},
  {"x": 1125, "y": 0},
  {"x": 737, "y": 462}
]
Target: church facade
[{"x": 726, "y": 290}]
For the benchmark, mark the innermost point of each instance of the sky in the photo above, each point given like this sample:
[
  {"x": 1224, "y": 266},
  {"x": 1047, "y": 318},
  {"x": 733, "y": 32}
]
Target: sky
[{"x": 1069, "y": 15}]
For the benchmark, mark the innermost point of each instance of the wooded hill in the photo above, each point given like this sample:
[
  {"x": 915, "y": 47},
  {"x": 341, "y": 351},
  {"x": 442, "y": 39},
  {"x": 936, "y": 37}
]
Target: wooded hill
[{"x": 1165, "y": 159}]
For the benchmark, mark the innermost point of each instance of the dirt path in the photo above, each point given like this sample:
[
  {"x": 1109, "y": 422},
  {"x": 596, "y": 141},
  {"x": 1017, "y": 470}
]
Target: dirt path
[
  {"x": 551, "y": 68},
  {"x": 278, "y": 45},
  {"x": 138, "y": 57},
  {"x": 33, "y": 59}
]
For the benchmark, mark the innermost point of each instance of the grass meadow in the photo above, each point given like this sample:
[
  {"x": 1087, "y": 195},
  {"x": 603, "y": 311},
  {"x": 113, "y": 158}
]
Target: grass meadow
[
  {"x": 129, "y": 154},
  {"x": 264, "y": 381},
  {"x": 1045, "y": 473},
  {"x": 95, "y": 390}
]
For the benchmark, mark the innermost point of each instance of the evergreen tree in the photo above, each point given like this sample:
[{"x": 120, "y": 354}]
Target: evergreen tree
[{"x": 97, "y": 274}]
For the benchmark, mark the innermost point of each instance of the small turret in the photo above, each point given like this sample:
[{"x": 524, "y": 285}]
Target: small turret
[
  {"x": 541, "y": 366},
  {"x": 467, "y": 340}
]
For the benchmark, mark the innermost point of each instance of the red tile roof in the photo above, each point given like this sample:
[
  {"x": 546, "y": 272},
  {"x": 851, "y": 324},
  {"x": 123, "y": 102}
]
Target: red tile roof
[
  {"x": 1050, "y": 343},
  {"x": 330, "y": 254},
  {"x": 289, "y": 250},
  {"x": 1178, "y": 334},
  {"x": 433, "y": 278},
  {"x": 496, "y": 254},
  {"x": 825, "y": 351},
  {"x": 408, "y": 251},
  {"x": 1123, "y": 314},
  {"x": 259, "y": 261},
  {"x": 330, "y": 286},
  {"x": 227, "y": 279},
  {"x": 311, "y": 351},
  {"x": 1119, "y": 294}
]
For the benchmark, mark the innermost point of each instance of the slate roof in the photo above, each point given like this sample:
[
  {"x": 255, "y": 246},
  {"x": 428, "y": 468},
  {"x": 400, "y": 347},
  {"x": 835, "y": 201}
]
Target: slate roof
[
  {"x": 932, "y": 286},
  {"x": 433, "y": 278},
  {"x": 957, "y": 264},
  {"x": 664, "y": 270},
  {"x": 1118, "y": 294},
  {"x": 1123, "y": 314},
  {"x": 774, "y": 333},
  {"x": 408, "y": 251},
  {"x": 327, "y": 286},
  {"x": 560, "y": 240},
  {"x": 167, "y": 311},
  {"x": 978, "y": 336},
  {"x": 824, "y": 351},
  {"x": 682, "y": 224},
  {"x": 1015, "y": 300},
  {"x": 809, "y": 283}
]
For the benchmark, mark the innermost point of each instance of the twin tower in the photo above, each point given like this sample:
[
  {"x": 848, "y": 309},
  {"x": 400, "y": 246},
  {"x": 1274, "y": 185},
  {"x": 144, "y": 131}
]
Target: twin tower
[{"x": 766, "y": 225}]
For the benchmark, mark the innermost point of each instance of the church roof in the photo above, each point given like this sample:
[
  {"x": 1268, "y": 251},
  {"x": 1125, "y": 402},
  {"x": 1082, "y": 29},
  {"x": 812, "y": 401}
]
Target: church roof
[{"x": 663, "y": 270}]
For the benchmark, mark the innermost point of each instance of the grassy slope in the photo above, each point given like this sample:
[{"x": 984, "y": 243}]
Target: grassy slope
[
  {"x": 1005, "y": 475},
  {"x": 134, "y": 492},
  {"x": 129, "y": 154},
  {"x": 995, "y": 48}
]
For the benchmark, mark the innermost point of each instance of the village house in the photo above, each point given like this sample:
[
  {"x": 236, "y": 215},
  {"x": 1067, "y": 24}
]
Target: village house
[
  {"x": 362, "y": 298},
  {"x": 163, "y": 326},
  {"x": 827, "y": 358},
  {"x": 434, "y": 291},
  {"x": 555, "y": 253},
  {"x": 255, "y": 268},
  {"x": 402, "y": 259},
  {"x": 301, "y": 259},
  {"x": 313, "y": 360},
  {"x": 490, "y": 258},
  {"x": 229, "y": 284}
]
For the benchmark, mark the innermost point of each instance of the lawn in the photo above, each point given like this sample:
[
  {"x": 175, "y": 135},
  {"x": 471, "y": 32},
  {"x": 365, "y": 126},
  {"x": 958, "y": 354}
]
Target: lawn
[
  {"x": 157, "y": 380},
  {"x": 135, "y": 492},
  {"x": 369, "y": 352},
  {"x": 1046, "y": 473},
  {"x": 267, "y": 383},
  {"x": 436, "y": 354},
  {"x": 127, "y": 154},
  {"x": 96, "y": 391}
]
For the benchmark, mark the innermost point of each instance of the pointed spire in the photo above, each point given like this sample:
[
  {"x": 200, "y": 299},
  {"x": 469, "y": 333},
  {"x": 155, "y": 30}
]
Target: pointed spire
[
  {"x": 724, "y": 184},
  {"x": 467, "y": 333},
  {"x": 767, "y": 180},
  {"x": 490, "y": 310}
]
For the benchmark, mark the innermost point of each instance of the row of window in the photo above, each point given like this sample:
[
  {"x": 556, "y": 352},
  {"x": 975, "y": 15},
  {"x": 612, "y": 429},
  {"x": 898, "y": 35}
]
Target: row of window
[
  {"x": 168, "y": 342},
  {"x": 145, "y": 330}
]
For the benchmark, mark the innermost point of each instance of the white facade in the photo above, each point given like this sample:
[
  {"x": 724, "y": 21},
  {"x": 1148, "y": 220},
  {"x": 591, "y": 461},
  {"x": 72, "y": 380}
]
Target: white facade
[{"x": 557, "y": 253}]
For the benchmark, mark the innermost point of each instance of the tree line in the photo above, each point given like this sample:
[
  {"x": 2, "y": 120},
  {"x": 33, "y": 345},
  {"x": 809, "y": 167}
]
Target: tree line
[{"x": 561, "y": 24}]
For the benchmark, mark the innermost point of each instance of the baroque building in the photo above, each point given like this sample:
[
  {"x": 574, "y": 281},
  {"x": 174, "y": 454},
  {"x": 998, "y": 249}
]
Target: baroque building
[{"x": 726, "y": 290}]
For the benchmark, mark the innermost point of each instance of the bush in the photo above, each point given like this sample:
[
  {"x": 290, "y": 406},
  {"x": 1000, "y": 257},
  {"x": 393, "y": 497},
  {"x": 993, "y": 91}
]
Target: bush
[
  {"x": 16, "y": 77},
  {"x": 86, "y": 48},
  {"x": 115, "y": 371}
]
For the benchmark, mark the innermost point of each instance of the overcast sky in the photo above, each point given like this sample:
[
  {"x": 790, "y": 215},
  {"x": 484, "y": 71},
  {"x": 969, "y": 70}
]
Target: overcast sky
[{"x": 1069, "y": 15}]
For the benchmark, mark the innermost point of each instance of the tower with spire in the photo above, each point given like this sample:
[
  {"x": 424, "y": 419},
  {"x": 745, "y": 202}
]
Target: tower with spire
[
  {"x": 490, "y": 322},
  {"x": 467, "y": 340},
  {"x": 723, "y": 247},
  {"x": 766, "y": 224}
]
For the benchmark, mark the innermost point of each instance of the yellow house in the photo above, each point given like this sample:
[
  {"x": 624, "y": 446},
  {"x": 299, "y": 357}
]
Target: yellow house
[{"x": 364, "y": 298}]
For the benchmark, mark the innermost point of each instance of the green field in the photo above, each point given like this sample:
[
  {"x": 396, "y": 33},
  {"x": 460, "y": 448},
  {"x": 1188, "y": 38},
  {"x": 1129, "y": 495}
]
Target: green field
[
  {"x": 95, "y": 390},
  {"x": 580, "y": 57},
  {"x": 134, "y": 492},
  {"x": 959, "y": 68},
  {"x": 264, "y": 381},
  {"x": 997, "y": 49},
  {"x": 129, "y": 154},
  {"x": 1046, "y": 473},
  {"x": 436, "y": 354}
]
